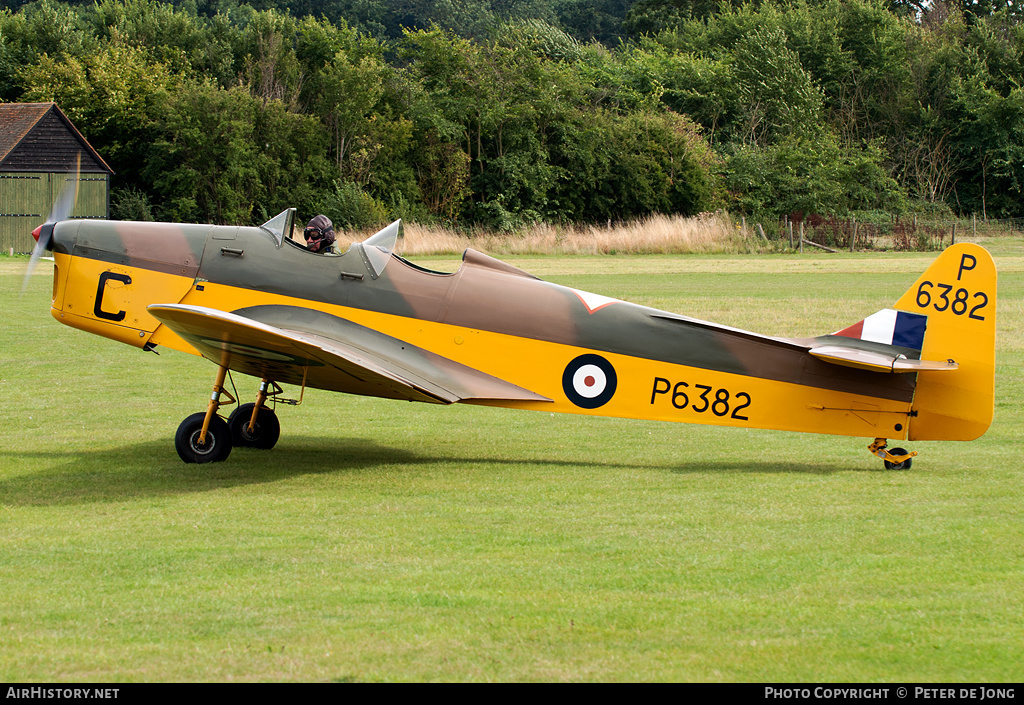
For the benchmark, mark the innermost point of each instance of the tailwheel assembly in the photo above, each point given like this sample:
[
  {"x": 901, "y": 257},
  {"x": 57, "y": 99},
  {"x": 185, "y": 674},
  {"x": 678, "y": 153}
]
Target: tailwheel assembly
[{"x": 894, "y": 459}]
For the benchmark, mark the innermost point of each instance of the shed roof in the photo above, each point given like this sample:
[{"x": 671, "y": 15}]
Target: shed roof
[{"x": 39, "y": 137}]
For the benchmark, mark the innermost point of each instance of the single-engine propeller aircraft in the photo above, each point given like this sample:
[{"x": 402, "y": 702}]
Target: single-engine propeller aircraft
[{"x": 369, "y": 322}]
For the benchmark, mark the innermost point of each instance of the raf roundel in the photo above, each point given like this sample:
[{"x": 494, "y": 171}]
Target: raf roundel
[{"x": 589, "y": 381}]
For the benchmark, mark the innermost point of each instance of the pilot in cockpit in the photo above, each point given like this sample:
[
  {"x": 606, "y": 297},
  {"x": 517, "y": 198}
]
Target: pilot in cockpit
[{"x": 319, "y": 234}]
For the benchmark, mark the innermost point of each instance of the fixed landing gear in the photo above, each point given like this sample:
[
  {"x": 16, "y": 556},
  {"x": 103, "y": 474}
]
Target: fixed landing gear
[
  {"x": 194, "y": 446},
  {"x": 254, "y": 425},
  {"x": 902, "y": 465},
  {"x": 247, "y": 432},
  {"x": 895, "y": 459},
  {"x": 207, "y": 438}
]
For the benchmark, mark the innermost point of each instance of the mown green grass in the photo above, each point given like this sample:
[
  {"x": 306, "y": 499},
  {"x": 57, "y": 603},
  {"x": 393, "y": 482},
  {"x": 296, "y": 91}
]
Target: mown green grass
[{"x": 388, "y": 541}]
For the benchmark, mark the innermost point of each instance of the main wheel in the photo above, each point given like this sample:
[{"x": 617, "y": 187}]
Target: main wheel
[
  {"x": 905, "y": 465},
  {"x": 215, "y": 449},
  {"x": 265, "y": 434}
]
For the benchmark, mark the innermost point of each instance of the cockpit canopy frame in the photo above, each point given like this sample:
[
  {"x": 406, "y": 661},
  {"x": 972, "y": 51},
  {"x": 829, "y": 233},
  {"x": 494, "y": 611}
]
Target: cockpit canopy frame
[
  {"x": 375, "y": 251},
  {"x": 280, "y": 226}
]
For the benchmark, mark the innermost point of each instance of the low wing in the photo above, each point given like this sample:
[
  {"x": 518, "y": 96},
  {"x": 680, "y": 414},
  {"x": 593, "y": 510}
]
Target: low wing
[{"x": 294, "y": 345}]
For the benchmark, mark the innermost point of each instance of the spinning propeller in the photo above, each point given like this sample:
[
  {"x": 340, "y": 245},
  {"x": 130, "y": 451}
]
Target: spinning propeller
[{"x": 61, "y": 210}]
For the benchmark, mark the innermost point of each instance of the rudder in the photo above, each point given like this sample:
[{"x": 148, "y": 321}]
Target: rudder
[{"x": 958, "y": 294}]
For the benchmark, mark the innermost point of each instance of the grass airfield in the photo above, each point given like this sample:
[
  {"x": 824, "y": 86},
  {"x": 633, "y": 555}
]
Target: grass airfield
[{"x": 389, "y": 541}]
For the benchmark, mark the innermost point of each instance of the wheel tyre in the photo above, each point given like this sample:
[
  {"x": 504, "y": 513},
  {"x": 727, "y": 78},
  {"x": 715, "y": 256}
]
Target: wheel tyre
[
  {"x": 264, "y": 436},
  {"x": 905, "y": 465},
  {"x": 218, "y": 440}
]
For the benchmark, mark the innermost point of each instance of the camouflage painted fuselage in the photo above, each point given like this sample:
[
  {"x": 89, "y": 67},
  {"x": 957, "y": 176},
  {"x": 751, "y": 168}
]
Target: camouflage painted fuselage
[{"x": 486, "y": 334}]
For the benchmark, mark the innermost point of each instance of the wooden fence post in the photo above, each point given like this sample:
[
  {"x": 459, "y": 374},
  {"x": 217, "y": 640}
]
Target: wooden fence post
[
  {"x": 801, "y": 237},
  {"x": 853, "y": 237},
  {"x": 952, "y": 240},
  {"x": 791, "y": 234}
]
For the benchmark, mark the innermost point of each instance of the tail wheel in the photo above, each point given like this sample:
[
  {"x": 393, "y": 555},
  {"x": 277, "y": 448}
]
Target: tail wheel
[
  {"x": 265, "y": 432},
  {"x": 213, "y": 449},
  {"x": 905, "y": 465}
]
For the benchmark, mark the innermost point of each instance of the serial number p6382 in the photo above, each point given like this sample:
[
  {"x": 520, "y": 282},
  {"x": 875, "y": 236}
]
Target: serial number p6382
[{"x": 700, "y": 398}]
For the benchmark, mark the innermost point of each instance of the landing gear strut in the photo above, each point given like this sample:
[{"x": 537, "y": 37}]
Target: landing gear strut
[
  {"x": 207, "y": 438},
  {"x": 895, "y": 459},
  {"x": 254, "y": 425},
  {"x": 204, "y": 437}
]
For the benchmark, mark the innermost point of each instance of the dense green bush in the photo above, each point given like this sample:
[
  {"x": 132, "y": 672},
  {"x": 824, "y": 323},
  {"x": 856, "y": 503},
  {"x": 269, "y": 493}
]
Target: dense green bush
[
  {"x": 351, "y": 208},
  {"x": 130, "y": 204},
  {"x": 506, "y": 113},
  {"x": 810, "y": 174}
]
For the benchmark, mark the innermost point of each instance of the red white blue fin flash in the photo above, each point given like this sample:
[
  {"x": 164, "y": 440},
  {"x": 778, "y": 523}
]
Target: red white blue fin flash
[{"x": 890, "y": 327}]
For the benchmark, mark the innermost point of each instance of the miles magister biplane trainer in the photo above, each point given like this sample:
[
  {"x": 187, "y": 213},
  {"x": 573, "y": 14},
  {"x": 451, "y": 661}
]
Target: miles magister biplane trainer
[{"x": 369, "y": 322}]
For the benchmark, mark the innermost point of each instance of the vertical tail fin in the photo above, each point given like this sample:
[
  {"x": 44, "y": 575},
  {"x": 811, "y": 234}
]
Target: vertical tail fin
[{"x": 958, "y": 294}]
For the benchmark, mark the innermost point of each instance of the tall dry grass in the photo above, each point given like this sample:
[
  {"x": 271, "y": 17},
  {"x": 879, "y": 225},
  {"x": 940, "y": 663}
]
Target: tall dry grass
[{"x": 659, "y": 234}]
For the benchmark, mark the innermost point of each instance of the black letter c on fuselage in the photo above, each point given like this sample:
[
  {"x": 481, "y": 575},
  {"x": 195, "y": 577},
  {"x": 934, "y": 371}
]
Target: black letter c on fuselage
[{"x": 98, "y": 308}]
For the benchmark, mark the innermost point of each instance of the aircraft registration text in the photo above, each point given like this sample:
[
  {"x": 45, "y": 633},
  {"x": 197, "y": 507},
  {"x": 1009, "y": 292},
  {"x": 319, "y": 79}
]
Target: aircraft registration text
[
  {"x": 720, "y": 402},
  {"x": 959, "y": 304}
]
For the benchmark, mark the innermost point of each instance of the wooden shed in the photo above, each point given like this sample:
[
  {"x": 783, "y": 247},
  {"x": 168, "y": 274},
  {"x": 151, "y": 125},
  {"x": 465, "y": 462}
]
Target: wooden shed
[{"x": 39, "y": 153}]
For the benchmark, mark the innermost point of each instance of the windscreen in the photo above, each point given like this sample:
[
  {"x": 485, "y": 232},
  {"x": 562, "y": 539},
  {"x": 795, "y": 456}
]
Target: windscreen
[
  {"x": 376, "y": 249},
  {"x": 280, "y": 226}
]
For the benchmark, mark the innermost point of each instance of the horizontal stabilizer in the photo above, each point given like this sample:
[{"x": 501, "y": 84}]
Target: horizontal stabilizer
[{"x": 877, "y": 361}]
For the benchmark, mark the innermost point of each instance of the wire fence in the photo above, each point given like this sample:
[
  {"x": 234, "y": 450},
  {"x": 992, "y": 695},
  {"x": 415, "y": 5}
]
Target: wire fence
[{"x": 896, "y": 233}]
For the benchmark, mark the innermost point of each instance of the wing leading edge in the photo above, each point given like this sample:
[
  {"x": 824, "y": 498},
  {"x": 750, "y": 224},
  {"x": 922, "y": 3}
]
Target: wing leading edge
[{"x": 294, "y": 345}]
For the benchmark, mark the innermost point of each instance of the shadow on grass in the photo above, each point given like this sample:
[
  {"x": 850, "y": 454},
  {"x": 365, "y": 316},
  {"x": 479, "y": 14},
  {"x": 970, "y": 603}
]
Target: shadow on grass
[{"x": 150, "y": 470}]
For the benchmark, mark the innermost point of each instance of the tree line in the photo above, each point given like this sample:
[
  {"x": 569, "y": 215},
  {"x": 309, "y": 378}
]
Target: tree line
[{"x": 503, "y": 113}]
